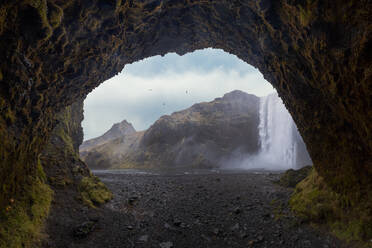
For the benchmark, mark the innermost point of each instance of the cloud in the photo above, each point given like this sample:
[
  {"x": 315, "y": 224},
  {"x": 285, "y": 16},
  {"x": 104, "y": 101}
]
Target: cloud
[
  {"x": 161, "y": 85},
  {"x": 199, "y": 61}
]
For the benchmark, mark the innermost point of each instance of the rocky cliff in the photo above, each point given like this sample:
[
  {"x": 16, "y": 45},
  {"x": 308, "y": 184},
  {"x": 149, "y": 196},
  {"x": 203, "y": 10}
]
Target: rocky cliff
[
  {"x": 73, "y": 186},
  {"x": 109, "y": 150},
  {"x": 201, "y": 136},
  {"x": 317, "y": 54},
  {"x": 64, "y": 182},
  {"x": 117, "y": 130}
]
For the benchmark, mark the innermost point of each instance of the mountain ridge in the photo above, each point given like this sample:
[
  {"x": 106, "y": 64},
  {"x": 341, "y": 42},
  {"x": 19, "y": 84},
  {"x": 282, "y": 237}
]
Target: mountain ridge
[{"x": 198, "y": 136}]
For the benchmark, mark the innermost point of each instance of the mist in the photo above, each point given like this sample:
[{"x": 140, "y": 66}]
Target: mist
[{"x": 281, "y": 145}]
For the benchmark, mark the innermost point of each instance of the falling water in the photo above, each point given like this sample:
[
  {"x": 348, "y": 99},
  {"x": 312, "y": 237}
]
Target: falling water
[{"x": 281, "y": 144}]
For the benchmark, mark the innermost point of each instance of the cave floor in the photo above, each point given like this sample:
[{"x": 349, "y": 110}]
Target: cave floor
[{"x": 196, "y": 210}]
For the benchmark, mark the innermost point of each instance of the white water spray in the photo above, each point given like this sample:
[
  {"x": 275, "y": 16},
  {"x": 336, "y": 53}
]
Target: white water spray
[
  {"x": 281, "y": 145},
  {"x": 278, "y": 133}
]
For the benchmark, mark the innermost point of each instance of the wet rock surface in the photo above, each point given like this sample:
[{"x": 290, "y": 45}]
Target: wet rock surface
[{"x": 198, "y": 210}]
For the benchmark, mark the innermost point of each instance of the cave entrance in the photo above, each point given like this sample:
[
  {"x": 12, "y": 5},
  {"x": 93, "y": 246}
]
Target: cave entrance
[
  {"x": 242, "y": 122},
  {"x": 316, "y": 55}
]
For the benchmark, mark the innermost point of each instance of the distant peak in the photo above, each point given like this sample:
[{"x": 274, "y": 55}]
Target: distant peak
[
  {"x": 123, "y": 127},
  {"x": 236, "y": 94},
  {"x": 123, "y": 123}
]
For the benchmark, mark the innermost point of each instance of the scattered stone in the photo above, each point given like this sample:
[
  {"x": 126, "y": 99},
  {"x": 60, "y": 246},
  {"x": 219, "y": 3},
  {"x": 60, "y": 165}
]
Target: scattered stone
[
  {"x": 167, "y": 244},
  {"x": 307, "y": 243},
  {"x": 266, "y": 215},
  {"x": 260, "y": 238},
  {"x": 243, "y": 235},
  {"x": 177, "y": 222},
  {"x": 132, "y": 200},
  {"x": 84, "y": 229},
  {"x": 235, "y": 227},
  {"x": 216, "y": 231},
  {"x": 143, "y": 238},
  {"x": 237, "y": 210},
  {"x": 205, "y": 237},
  {"x": 130, "y": 228}
]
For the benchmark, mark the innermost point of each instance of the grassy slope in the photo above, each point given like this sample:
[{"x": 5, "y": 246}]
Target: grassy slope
[
  {"x": 22, "y": 221},
  {"x": 315, "y": 202}
]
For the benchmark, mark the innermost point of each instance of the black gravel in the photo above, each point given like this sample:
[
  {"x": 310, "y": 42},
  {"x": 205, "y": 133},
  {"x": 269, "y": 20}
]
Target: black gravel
[{"x": 197, "y": 210}]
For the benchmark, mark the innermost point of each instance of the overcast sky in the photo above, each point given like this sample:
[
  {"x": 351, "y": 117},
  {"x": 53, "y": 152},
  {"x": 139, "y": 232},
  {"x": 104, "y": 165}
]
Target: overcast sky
[{"x": 156, "y": 86}]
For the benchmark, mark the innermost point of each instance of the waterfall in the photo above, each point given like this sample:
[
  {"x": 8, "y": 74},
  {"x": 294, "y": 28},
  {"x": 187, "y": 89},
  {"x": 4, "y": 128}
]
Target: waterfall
[{"x": 281, "y": 145}]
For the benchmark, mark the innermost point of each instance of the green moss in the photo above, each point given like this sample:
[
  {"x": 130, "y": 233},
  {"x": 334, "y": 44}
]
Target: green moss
[
  {"x": 315, "y": 202},
  {"x": 292, "y": 177},
  {"x": 22, "y": 220},
  {"x": 306, "y": 13},
  {"x": 42, "y": 8},
  {"x": 305, "y": 16},
  {"x": 118, "y": 3},
  {"x": 10, "y": 116},
  {"x": 55, "y": 15},
  {"x": 93, "y": 191}
]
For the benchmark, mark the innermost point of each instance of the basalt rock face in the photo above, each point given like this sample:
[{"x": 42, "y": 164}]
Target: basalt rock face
[
  {"x": 60, "y": 157},
  {"x": 74, "y": 187},
  {"x": 317, "y": 54},
  {"x": 203, "y": 136}
]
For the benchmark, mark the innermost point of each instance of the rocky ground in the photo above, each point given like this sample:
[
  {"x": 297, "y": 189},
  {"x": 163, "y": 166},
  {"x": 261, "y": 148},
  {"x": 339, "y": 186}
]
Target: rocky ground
[{"x": 207, "y": 209}]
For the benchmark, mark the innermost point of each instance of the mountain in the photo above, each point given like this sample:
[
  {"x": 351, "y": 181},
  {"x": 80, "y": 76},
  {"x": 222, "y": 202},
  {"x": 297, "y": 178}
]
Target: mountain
[
  {"x": 201, "y": 136},
  {"x": 117, "y": 130}
]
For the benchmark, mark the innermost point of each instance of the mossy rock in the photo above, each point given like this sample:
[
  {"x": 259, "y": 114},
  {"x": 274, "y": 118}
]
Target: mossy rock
[
  {"x": 292, "y": 177},
  {"x": 55, "y": 15},
  {"x": 94, "y": 192},
  {"x": 315, "y": 202},
  {"x": 22, "y": 220}
]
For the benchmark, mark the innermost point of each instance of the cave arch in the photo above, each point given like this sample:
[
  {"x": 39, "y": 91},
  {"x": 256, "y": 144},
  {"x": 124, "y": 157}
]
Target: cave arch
[{"x": 316, "y": 55}]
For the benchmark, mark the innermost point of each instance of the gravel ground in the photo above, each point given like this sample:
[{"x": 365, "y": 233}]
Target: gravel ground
[{"x": 205, "y": 209}]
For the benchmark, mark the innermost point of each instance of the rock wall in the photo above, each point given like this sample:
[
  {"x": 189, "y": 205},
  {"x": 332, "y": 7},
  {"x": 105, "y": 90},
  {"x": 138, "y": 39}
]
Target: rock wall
[
  {"x": 317, "y": 54},
  {"x": 76, "y": 192}
]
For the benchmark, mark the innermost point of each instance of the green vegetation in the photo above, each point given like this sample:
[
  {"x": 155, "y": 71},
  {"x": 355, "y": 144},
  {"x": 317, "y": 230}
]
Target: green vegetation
[
  {"x": 305, "y": 16},
  {"x": 306, "y": 12},
  {"x": 93, "y": 191},
  {"x": 316, "y": 203},
  {"x": 22, "y": 220},
  {"x": 55, "y": 15},
  {"x": 292, "y": 177}
]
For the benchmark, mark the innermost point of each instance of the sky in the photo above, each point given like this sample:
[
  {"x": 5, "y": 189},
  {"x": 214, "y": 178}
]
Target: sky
[{"x": 156, "y": 86}]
